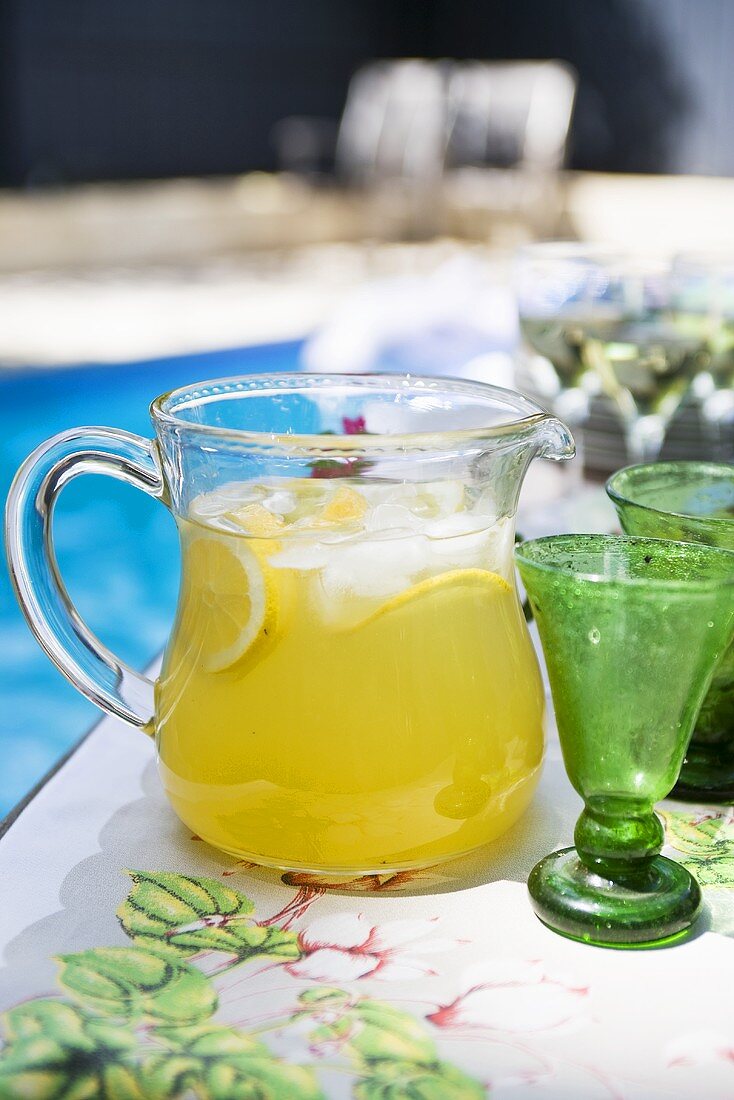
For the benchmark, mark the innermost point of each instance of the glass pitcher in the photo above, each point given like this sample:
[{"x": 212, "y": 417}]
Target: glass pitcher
[{"x": 349, "y": 684}]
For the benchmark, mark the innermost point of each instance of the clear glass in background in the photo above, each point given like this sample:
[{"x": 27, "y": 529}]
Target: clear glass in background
[
  {"x": 611, "y": 323},
  {"x": 632, "y": 629},
  {"x": 349, "y": 685},
  {"x": 555, "y": 288},
  {"x": 704, "y": 288},
  {"x": 692, "y": 502}
]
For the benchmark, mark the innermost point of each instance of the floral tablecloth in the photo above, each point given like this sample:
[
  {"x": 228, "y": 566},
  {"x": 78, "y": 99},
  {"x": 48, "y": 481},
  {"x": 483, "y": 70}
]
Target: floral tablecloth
[{"x": 141, "y": 963}]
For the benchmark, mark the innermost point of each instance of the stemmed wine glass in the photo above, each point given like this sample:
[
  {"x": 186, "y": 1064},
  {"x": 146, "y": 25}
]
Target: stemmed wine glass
[
  {"x": 693, "y": 502},
  {"x": 554, "y": 284},
  {"x": 611, "y": 322},
  {"x": 632, "y": 630},
  {"x": 704, "y": 288}
]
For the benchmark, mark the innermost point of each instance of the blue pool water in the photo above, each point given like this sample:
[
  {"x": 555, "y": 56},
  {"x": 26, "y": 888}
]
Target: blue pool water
[{"x": 117, "y": 548}]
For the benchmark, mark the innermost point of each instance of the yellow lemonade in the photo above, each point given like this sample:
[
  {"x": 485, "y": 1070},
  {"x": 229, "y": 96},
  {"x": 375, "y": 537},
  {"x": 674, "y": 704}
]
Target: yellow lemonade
[{"x": 350, "y": 685}]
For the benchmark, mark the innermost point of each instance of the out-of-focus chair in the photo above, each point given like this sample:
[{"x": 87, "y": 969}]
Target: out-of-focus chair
[
  {"x": 509, "y": 114},
  {"x": 393, "y": 126},
  {"x": 394, "y": 123},
  {"x": 390, "y": 146},
  {"x": 473, "y": 139},
  {"x": 413, "y": 117},
  {"x": 508, "y": 125}
]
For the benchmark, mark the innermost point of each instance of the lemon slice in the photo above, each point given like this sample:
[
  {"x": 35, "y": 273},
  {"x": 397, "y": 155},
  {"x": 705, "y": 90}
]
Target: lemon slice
[
  {"x": 256, "y": 520},
  {"x": 345, "y": 504},
  {"x": 239, "y": 594},
  {"x": 481, "y": 579}
]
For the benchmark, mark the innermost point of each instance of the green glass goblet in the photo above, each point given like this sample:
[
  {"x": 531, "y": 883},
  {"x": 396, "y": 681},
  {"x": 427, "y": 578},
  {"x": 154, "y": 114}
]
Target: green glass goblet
[
  {"x": 632, "y": 629},
  {"x": 692, "y": 502}
]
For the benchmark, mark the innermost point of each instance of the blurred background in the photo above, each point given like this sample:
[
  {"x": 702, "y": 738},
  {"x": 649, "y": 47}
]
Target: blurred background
[{"x": 193, "y": 189}]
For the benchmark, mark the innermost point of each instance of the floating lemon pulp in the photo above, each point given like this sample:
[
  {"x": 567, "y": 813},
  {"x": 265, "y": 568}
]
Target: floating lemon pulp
[{"x": 240, "y": 601}]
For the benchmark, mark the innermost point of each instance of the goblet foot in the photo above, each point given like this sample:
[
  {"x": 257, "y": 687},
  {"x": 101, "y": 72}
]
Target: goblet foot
[
  {"x": 654, "y": 904},
  {"x": 707, "y": 775}
]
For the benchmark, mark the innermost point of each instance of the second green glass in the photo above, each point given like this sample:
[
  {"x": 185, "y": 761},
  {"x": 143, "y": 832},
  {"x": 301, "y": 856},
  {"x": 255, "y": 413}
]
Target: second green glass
[
  {"x": 692, "y": 502},
  {"x": 631, "y": 629}
]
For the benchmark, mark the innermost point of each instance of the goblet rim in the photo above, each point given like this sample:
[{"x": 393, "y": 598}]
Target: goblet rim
[
  {"x": 676, "y": 584},
  {"x": 568, "y": 250},
  {"x": 704, "y": 261},
  {"x": 624, "y": 261},
  {"x": 724, "y": 469}
]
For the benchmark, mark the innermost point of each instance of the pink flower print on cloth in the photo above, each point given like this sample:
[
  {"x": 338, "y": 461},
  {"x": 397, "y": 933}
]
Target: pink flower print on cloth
[
  {"x": 700, "y": 1063},
  {"x": 699, "y": 1048},
  {"x": 514, "y": 996},
  {"x": 347, "y": 946}
]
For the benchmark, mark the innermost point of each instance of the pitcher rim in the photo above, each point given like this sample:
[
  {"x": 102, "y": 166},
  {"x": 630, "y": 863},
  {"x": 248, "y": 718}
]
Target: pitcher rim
[{"x": 317, "y": 442}]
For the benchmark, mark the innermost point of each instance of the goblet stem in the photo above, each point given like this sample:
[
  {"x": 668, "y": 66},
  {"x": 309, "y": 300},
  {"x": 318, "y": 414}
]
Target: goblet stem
[
  {"x": 717, "y": 415},
  {"x": 644, "y": 437},
  {"x": 614, "y": 888},
  {"x": 720, "y": 436},
  {"x": 617, "y": 837}
]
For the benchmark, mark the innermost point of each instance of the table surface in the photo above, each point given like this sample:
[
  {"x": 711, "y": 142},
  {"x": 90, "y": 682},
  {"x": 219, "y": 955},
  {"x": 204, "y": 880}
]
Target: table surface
[
  {"x": 443, "y": 980},
  {"x": 126, "y": 271}
]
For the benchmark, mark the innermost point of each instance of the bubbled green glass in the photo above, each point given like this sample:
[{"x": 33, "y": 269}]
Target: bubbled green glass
[
  {"x": 632, "y": 629},
  {"x": 692, "y": 502}
]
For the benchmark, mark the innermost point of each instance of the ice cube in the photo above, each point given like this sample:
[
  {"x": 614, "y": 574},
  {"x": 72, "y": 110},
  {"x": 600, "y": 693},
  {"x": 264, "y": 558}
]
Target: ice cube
[
  {"x": 486, "y": 506},
  {"x": 458, "y": 523},
  {"x": 448, "y": 496},
  {"x": 374, "y": 567},
  {"x": 306, "y": 556},
  {"x": 281, "y": 502},
  {"x": 392, "y": 517},
  {"x": 377, "y": 492},
  {"x": 225, "y": 499},
  {"x": 423, "y": 498},
  {"x": 480, "y": 547}
]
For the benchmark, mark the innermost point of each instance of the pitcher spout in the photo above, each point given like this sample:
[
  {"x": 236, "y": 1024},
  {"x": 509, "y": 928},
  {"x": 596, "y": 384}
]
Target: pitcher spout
[{"x": 554, "y": 440}]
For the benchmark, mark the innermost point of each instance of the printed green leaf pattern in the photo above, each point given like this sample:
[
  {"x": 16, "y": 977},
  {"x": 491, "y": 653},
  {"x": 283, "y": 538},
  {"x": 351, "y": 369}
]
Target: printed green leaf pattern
[
  {"x": 395, "y": 1080},
  {"x": 180, "y": 916},
  {"x": 55, "y": 1050},
  {"x": 392, "y": 1053},
  {"x": 223, "y": 1063},
  {"x": 132, "y": 982},
  {"x": 386, "y": 1033},
  {"x": 706, "y": 841},
  {"x": 137, "y": 1022}
]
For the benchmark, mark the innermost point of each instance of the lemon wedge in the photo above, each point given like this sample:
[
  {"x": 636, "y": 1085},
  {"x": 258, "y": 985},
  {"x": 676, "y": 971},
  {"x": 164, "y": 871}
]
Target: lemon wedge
[
  {"x": 239, "y": 594},
  {"x": 344, "y": 504},
  {"x": 480, "y": 579},
  {"x": 256, "y": 520}
]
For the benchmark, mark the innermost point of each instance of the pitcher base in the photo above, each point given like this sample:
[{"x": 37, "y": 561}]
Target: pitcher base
[{"x": 333, "y": 874}]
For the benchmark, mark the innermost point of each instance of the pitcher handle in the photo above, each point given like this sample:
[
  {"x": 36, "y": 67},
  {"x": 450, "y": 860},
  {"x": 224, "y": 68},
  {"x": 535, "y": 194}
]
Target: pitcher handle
[{"x": 43, "y": 597}]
